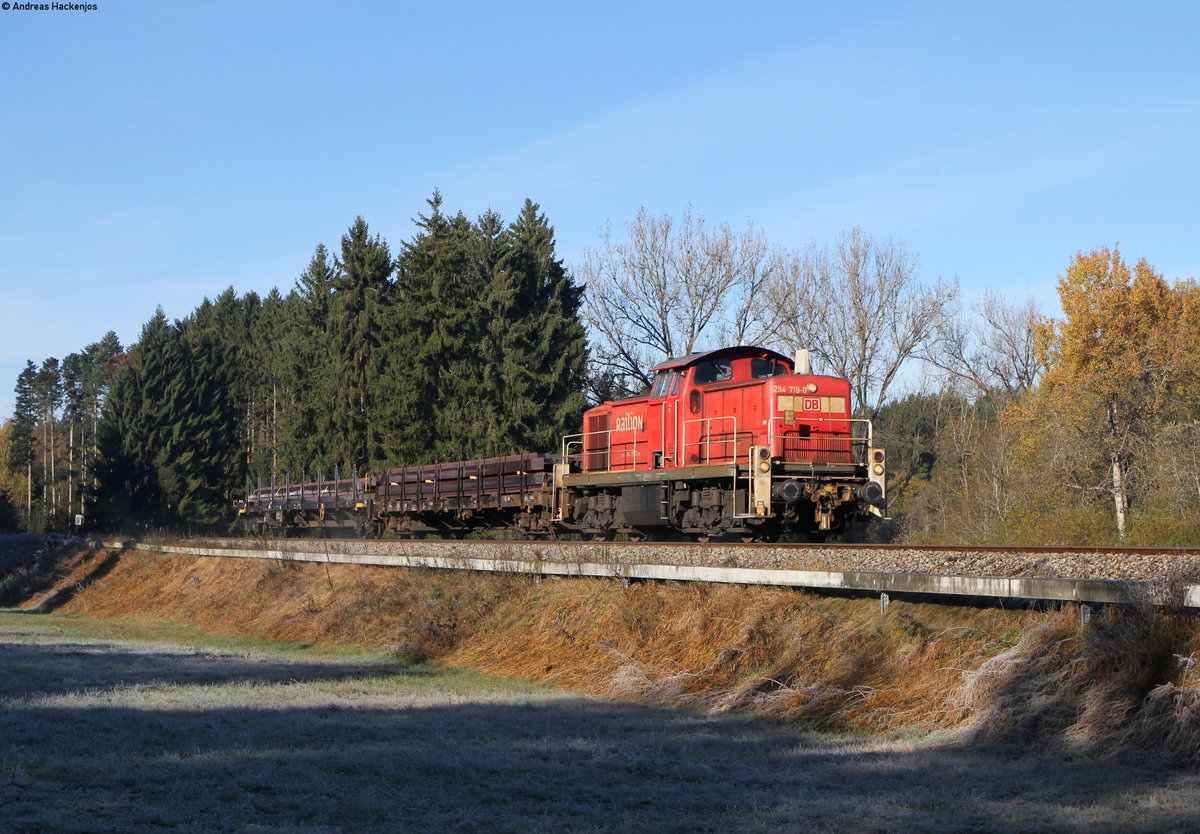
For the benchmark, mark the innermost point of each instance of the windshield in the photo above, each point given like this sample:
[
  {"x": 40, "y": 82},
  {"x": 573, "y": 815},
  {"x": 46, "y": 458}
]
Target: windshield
[{"x": 713, "y": 370}]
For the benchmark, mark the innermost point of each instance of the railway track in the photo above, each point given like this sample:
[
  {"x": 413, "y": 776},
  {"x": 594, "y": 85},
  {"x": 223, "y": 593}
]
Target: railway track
[{"x": 1088, "y": 575}]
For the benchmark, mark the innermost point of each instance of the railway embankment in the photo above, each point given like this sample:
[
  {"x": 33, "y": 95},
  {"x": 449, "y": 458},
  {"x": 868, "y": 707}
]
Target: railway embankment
[{"x": 1126, "y": 682}]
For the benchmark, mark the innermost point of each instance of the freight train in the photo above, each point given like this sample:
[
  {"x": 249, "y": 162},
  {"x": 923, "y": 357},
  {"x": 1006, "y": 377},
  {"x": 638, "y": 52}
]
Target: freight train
[{"x": 741, "y": 442}]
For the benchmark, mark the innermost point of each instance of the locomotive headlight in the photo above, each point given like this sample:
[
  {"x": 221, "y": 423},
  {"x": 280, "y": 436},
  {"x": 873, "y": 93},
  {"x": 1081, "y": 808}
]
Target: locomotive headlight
[
  {"x": 877, "y": 469},
  {"x": 764, "y": 466},
  {"x": 811, "y": 388}
]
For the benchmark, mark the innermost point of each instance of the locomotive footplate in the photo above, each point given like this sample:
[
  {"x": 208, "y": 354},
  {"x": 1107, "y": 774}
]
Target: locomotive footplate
[{"x": 631, "y": 477}]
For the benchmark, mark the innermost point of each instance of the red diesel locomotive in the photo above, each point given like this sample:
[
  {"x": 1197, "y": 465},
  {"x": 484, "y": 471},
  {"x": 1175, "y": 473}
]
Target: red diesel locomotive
[{"x": 731, "y": 442}]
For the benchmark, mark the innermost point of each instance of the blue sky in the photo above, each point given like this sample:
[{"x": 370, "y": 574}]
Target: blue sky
[{"x": 154, "y": 153}]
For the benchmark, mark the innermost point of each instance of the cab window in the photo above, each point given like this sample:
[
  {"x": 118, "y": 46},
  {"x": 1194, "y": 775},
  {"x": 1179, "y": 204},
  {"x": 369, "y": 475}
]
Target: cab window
[
  {"x": 660, "y": 384},
  {"x": 766, "y": 368},
  {"x": 713, "y": 370},
  {"x": 665, "y": 384}
]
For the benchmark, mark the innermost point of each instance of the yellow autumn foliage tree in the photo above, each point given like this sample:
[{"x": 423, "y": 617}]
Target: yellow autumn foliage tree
[
  {"x": 1121, "y": 365},
  {"x": 13, "y": 487}
]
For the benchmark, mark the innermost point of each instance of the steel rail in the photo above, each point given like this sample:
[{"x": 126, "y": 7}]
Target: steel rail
[
  {"x": 1032, "y": 550},
  {"x": 587, "y": 559}
]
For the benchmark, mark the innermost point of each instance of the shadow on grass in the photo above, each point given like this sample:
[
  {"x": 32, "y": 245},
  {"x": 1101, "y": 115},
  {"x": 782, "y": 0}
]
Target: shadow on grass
[
  {"x": 92, "y": 666},
  {"x": 28, "y": 565},
  {"x": 97, "y": 737}
]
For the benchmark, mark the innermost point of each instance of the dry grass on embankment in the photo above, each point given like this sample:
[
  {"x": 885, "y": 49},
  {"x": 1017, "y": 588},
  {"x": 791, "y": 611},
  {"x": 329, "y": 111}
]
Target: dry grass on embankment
[{"x": 1129, "y": 681}]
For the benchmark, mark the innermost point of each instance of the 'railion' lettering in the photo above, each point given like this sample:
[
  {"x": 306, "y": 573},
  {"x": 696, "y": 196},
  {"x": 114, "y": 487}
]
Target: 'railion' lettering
[{"x": 631, "y": 422}]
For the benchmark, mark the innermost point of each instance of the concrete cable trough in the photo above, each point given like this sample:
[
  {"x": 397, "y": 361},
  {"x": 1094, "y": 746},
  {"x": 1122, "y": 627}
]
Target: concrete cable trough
[{"x": 781, "y": 565}]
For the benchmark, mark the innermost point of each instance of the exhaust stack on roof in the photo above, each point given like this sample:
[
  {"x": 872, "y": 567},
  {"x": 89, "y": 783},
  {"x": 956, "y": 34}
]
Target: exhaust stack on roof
[{"x": 803, "y": 366}]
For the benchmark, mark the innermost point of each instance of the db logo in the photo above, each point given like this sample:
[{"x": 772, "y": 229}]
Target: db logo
[{"x": 812, "y": 404}]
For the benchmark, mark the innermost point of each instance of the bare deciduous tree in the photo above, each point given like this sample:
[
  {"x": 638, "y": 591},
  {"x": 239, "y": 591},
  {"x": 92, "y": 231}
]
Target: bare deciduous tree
[
  {"x": 667, "y": 286},
  {"x": 860, "y": 308},
  {"x": 977, "y": 485},
  {"x": 995, "y": 353}
]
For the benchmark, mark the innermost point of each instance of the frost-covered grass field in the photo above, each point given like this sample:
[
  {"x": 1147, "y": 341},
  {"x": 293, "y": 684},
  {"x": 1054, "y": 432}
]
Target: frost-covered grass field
[{"x": 104, "y": 727}]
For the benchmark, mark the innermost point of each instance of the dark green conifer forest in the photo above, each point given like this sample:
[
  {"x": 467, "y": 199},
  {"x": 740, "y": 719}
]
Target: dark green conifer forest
[{"x": 466, "y": 341}]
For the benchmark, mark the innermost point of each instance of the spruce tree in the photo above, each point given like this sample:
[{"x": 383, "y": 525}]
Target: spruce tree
[
  {"x": 21, "y": 448},
  {"x": 269, "y": 353},
  {"x": 463, "y": 411},
  {"x": 543, "y": 345},
  {"x": 24, "y": 419},
  {"x": 209, "y": 466},
  {"x": 306, "y": 370},
  {"x": 487, "y": 348},
  {"x": 161, "y": 405},
  {"x": 413, "y": 376},
  {"x": 491, "y": 248},
  {"x": 170, "y": 452},
  {"x": 363, "y": 282},
  {"x": 220, "y": 337},
  {"x": 127, "y": 495}
]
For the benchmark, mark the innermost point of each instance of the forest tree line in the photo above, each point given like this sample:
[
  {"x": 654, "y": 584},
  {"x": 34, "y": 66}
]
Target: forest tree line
[
  {"x": 467, "y": 342},
  {"x": 473, "y": 339}
]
